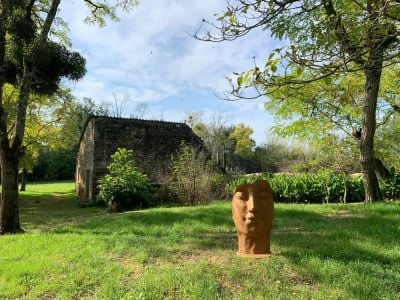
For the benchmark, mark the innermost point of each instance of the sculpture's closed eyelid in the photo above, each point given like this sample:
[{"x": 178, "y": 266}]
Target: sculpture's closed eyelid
[{"x": 241, "y": 196}]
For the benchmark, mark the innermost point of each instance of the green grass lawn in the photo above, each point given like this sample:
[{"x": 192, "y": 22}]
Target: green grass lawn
[{"x": 319, "y": 252}]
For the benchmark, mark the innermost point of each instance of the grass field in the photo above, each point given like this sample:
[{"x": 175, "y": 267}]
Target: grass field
[{"x": 319, "y": 252}]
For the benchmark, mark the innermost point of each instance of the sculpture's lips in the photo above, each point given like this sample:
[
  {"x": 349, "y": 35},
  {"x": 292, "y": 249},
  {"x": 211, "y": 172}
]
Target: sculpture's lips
[
  {"x": 250, "y": 218},
  {"x": 250, "y": 221}
]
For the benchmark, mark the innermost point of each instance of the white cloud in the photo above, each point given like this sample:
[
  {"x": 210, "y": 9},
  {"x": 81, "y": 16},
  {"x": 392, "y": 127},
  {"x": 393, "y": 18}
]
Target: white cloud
[{"x": 151, "y": 56}]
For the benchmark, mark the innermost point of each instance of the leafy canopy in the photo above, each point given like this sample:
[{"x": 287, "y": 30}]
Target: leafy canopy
[
  {"x": 50, "y": 61},
  {"x": 319, "y": 39}
]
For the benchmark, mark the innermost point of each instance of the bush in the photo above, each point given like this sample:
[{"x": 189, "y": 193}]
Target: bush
[
  {"x": 391, "y": 186},
  {"x": 218, "y": 183},
  {"x": 192, "y": 177},
  {"x": 309, "y": 188},
  {"x": 124, "y": 187}
]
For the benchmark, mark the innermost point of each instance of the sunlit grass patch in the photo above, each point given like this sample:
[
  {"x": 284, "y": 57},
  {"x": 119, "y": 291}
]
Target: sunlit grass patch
[{"x": 50, "y": 187}]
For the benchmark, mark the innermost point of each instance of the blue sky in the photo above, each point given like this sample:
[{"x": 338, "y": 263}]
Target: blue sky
[{"x": 151, "y": 56}]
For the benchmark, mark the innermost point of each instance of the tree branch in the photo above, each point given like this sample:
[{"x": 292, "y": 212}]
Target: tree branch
[
  {"x": 396, "y": 107},
  {"x": 29, "y": 9},
  {"x": 49, "y": 21},
  {"x": 26, "y": 80},
  {"x": 5, "y": 12},
  {"x": 341, "y": 33}
]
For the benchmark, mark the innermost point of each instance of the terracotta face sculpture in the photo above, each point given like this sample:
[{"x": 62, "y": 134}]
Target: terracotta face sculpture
[{"x": 252, "y": 211}]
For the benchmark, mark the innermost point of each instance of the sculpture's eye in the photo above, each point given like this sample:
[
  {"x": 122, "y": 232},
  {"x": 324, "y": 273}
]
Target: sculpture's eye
[
  {"x": 244, "y": 197},
  {"x": 241, "y": 196}
]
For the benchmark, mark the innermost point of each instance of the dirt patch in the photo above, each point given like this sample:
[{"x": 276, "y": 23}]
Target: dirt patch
[
  {"x": 47, "y": 297},
  {"x": 297, "y": 279},
  {"x": 343, "y": 214},
  {"x": 210, "y": 257}
]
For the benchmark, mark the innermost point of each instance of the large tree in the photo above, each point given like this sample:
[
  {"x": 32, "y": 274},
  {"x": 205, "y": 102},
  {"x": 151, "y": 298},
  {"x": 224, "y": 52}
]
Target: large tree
[
  {"x": 33, "y": 59},
  {"x": 325, "y": 38},
  {"x": 333, "y": 107}
]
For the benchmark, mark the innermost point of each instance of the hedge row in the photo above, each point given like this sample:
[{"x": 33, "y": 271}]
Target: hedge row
[
  {"x": 309, "y": 188},
  {"x": 391, "y": 186}
]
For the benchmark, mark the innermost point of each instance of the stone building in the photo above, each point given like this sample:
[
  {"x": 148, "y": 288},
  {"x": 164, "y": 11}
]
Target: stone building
[{"x": 153, "y": 144}]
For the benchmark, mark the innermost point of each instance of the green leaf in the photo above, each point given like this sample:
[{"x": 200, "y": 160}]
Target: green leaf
[
  {"x": 271, "y": 55},
  {"x": 229, "y": 13},
  {"x": 239, "y": 80},
  {"x": 300, "y": 70},
  {"x": 246, "y": 77}
]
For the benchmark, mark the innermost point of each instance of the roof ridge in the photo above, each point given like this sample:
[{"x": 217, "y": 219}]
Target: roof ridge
[{"x": 136, "y": 119}]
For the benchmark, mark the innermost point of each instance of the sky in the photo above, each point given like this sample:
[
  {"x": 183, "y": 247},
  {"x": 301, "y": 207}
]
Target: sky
[{"x": 151, "y": 57}]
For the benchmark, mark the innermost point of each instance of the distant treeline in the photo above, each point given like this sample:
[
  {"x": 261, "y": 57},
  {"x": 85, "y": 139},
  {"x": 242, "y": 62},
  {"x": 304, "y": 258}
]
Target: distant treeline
[{"x": 54, "y": 165}]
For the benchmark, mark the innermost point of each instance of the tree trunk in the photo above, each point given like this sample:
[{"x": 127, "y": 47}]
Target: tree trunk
[
  {"x": 380, "y": 168},
  {"x": 367, "y": 157},
  {"x": 9, "y": 203},
  {"x": 24, "y": 178},
  {"x": 345, "y": 188},
  {"x": 10, "y": 148}
]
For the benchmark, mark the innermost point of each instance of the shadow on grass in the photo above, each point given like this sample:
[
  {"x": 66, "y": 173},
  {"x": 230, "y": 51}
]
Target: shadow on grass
[
  {"x": 312, "y": 239},
  {"x": 296, "y": 233},
  {"x": 48, "y": 211},
  {"x": 201, "y": 228},
  {"x": 365, "y": 243},
  {"x": 303, "y": 233}
]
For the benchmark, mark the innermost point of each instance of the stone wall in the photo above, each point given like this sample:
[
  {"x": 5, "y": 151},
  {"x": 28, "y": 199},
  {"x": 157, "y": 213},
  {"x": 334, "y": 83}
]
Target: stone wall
[
  {"x": 84, "y": 164},
  {"x": 153, "y": 144}
]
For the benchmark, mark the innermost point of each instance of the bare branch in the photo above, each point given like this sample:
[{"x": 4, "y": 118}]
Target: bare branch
[{"x": 4, "y": 13}]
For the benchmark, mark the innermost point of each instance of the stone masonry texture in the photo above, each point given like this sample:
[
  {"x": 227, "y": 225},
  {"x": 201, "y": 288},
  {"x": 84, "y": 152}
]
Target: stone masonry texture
[{"x": 154, "y": 143}]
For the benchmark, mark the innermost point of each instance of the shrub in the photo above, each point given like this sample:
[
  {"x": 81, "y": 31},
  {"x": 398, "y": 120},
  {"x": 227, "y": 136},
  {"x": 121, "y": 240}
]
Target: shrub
[
  {"x": 191, "y": 176},
  {"x": 391, "y": 186},
  {"x": 218, "y": 183},
  {"x": 124, "y": 187},
  {"x": 309, "y": 188}
]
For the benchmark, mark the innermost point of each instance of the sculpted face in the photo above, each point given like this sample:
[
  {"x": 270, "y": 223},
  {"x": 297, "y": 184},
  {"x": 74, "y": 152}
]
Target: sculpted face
[{"x": 252, "y": 209}]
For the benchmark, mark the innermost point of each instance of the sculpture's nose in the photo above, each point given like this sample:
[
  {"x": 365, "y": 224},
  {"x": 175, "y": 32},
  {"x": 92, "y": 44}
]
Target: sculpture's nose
[{"x": 250, "y": 203}]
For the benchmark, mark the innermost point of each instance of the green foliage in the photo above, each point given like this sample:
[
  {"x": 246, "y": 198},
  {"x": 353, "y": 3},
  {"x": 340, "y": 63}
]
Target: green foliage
[
  {"x": 191, "y": 176},
  {"x": 73, "y": 115},
  {"x": 323, "y": 107},
  {"x": 54, "y": 164},
  {"x": 391, "y": 186},
  {"x": 103, "y": 9},
  {"x": 280, "y": 155},
  {"x": 50, "y": 61},
  {"x": 324, "y": 187},
  {"x": 54, "y": 62},
  {"x": 52, "y": 134},
  {"x": 124, "y": 187},
  {"x": 241, "y": 137},
  {"x": 326, "y": 45},
  {"x": 215, "y": 135},
  {"x": 388, "y": 139}
]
